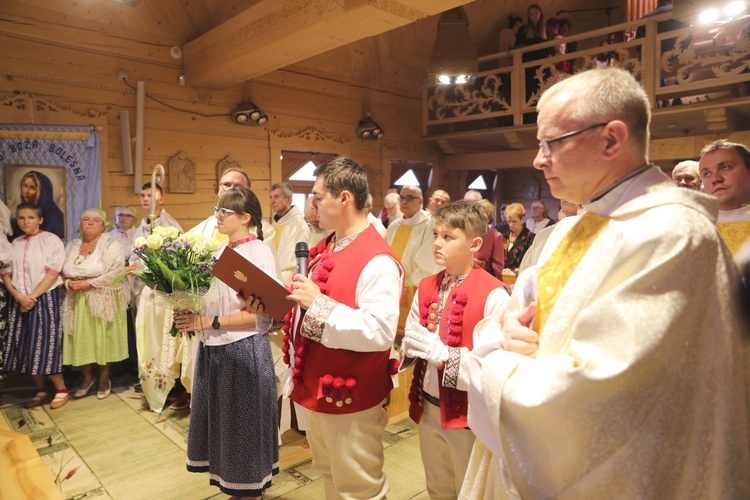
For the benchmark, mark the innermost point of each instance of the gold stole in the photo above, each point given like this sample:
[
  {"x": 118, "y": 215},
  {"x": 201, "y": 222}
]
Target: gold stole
[
  {"x": 277, "y": 236},
  {"x": 400, "y": 240},
  {"x": 220, "y": 237},
  {"x": 555, "y": 272},
  {"x": 734, "y": 234}
]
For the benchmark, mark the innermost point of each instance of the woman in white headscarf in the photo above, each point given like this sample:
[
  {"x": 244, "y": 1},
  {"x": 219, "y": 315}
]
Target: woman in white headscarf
[
  {"x": 94, "y": 314},
  {"x": 6, "y": 255}
]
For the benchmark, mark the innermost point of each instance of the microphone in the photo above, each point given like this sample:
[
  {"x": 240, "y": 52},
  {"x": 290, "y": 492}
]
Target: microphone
[{"x": 301, "y": 252}]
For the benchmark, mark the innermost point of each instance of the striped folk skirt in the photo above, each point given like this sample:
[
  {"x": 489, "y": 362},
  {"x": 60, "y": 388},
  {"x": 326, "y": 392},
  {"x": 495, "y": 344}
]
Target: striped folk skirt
[
  {"x": 35, "y": 337},
  {"x": 234, "y": 416}
]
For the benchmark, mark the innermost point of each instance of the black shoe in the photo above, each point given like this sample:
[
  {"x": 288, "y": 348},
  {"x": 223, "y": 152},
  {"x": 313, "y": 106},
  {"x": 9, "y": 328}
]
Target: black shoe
[{"x": 138, "y": 388}]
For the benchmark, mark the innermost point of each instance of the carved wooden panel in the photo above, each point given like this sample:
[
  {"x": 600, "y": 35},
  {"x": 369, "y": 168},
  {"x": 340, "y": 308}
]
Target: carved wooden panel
[
  {"x": 224, "y": 164},
  {"x": 181, "y": 169}
]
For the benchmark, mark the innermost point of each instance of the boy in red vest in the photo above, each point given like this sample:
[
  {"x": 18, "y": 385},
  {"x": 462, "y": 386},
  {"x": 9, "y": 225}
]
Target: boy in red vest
[{"x": 438, "y": 337}]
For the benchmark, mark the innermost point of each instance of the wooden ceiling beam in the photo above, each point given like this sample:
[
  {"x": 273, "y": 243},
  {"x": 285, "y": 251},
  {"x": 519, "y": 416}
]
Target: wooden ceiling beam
[{"x": 273, "y": 34}]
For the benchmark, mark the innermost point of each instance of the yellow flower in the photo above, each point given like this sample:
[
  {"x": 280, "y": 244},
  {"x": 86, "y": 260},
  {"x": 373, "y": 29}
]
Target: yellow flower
[
  {"x": 154, "y": 241},
  {"x": 139, "y": 241}
]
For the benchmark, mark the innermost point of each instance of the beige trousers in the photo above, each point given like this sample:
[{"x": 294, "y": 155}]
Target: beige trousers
[
  {"x": 445, "y": 454},
  {"x": 347, "y": 452}
]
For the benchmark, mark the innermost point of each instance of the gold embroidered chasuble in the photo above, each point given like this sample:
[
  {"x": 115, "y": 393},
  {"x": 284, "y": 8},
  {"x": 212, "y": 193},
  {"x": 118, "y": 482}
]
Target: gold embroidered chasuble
[{"x": 639, "y": 388}]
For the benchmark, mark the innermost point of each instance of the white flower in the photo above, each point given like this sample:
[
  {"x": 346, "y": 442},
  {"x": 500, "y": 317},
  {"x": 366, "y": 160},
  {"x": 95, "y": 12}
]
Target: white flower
[
  {"x": 166, "y": 232},
  {"x": 212, "y": 244},
  {"x": 190, "y": 238},
  {"x": 154, "y": 241},
  {"x": 139, "y": 242}
]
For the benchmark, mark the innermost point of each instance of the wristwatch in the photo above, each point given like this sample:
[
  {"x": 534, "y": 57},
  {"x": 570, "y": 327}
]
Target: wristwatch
[{"x": 215, "y": 324}]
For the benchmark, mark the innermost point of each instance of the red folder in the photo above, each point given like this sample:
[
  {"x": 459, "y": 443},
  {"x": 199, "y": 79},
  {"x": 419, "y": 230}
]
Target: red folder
[{"x": 247, "y": 279}]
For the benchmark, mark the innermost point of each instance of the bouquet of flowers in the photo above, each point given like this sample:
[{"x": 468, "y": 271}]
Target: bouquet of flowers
[{"x": 177, "y": 267}]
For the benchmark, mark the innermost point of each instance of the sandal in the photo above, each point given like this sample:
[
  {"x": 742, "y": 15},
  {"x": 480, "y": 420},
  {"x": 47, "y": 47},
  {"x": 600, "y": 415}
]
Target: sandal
[
  {"x": 40, "y": 396},
  {"x": 61, "y": 399}
]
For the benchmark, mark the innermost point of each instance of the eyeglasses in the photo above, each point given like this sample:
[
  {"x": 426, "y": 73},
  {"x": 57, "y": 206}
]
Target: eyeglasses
[
  {"x": 545, "y": 144},
  {"x": 407, "y": 198},
  {"x": 222, "y": 212}
]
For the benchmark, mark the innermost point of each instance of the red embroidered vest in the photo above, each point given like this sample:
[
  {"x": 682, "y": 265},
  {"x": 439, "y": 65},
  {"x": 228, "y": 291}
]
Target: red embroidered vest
[
  {"x": 339, "y": 380},
  {"x": 473, "y": 292}
]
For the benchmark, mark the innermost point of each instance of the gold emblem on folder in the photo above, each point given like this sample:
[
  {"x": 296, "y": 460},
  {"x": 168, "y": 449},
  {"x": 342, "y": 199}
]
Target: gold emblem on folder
[{"x": 240, "y": 276}]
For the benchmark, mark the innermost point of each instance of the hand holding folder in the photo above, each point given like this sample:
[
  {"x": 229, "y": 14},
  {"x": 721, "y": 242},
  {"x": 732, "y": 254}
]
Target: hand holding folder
[{"x": 247, "y": 279}]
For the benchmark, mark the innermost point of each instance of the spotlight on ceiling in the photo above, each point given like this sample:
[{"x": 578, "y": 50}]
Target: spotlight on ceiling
[
  {"x": 711, "y": 12},
  {"x": 248, "y": 114},
  {"x": 454, "y": 58},
  {"x": 368, "y": 129}
]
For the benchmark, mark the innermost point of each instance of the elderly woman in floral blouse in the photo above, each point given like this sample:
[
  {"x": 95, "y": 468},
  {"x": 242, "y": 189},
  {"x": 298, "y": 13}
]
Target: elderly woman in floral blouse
[{"x": 94, "y": 314}]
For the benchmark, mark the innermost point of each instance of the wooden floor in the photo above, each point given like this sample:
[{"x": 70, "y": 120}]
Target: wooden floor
[{"x": 116, "y": 448}]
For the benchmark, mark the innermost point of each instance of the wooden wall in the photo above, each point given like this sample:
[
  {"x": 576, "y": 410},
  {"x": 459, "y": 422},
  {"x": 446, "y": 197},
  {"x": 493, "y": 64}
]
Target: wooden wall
[{"x": 59, "y": 70}]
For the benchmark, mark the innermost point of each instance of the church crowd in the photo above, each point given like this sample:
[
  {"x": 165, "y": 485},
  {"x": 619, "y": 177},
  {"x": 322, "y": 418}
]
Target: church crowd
[{"x": 600, "y": 353}]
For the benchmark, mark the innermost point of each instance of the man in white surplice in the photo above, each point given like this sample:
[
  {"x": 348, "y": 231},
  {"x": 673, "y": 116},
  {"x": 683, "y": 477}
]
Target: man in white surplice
[
  {"x": 291, "y": 228},
  {"x": 410, "y": 237},
  {"x": 633, "y": 384}
]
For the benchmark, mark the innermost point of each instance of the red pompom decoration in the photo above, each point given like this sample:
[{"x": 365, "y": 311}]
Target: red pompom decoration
[
  {"x": 456, "y": 320},
  {"x": 287, "y": 360},
  {"x": 322, "y": 287},
  {"x": 461, "y": 298},
  {"x": 297, "y": 361},
  {"x": 301, "y": 350},
  {"x": 288, "y": 316},
  {"x": 457, "y": 309},
  {"x": 327, "y": 379},
  {"x": 285, "y": 348},
  {"x": 286, "y": 338},
  {"x": 338, "y": 382},
  {"x": 350, "y": 383},
  {"x": 322, "y": 274},
  {"x": 296, "y": 371},
  {"x": 455, "y": 329},
  {"x": 393, "y": 366},
  {"x": 312, "y": 253},
  {"x": 427, "y": 301},
  {"x": 453, "y": 341},
  {"x": 327, "y": 263}
]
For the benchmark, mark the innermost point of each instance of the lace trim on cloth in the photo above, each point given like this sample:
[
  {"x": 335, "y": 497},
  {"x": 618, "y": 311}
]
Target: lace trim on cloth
[
  {"x": 102, "y": 298},
  {"x": 315, "y": 319},
  {"x": 452, "y": 367},
  {"x": 345, "y": 242}
]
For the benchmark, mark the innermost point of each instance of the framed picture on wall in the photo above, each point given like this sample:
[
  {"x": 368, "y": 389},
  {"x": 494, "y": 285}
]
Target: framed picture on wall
[{"x": 41, "y": 185}]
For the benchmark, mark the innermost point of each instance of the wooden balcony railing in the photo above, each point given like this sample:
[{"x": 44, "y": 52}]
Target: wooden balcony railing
[{"x": 679, "y": 67}]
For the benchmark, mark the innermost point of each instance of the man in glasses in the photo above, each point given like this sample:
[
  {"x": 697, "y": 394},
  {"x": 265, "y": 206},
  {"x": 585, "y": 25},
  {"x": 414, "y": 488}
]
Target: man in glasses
[
  {"x": 230, "y": 178},
  {"x": 617, "y": 370},
  {"x": 410, "y": 237}
]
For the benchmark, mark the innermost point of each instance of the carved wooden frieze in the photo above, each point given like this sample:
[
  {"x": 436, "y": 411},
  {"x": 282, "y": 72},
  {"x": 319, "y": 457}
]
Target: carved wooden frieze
[
  {"x": 23, "y": 101},
  {"x": 488, "y": 95},
  {"x": 690, "y": 63},
  {"x": 181, "y": 171},
  {"x": 310, "y": 134},
  {"x": 226, "y": 163}
]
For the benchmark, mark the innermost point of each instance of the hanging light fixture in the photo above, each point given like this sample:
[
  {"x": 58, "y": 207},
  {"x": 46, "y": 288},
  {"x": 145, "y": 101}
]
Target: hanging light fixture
[
  {"x": 368, "y": 129},
  {"x": 248, "y": 114},
  {"x": 454, "y": 58},
  {"x": 711, "y": 12}
]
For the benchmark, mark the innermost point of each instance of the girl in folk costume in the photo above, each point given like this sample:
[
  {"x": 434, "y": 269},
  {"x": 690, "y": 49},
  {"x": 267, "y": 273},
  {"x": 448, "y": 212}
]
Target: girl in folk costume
[
  {"x": 234, "y": 418},
  {"x": 33, "y": 279},
  {"x": 95, "y": 312},
  {"x": 437, "y": 340}
]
